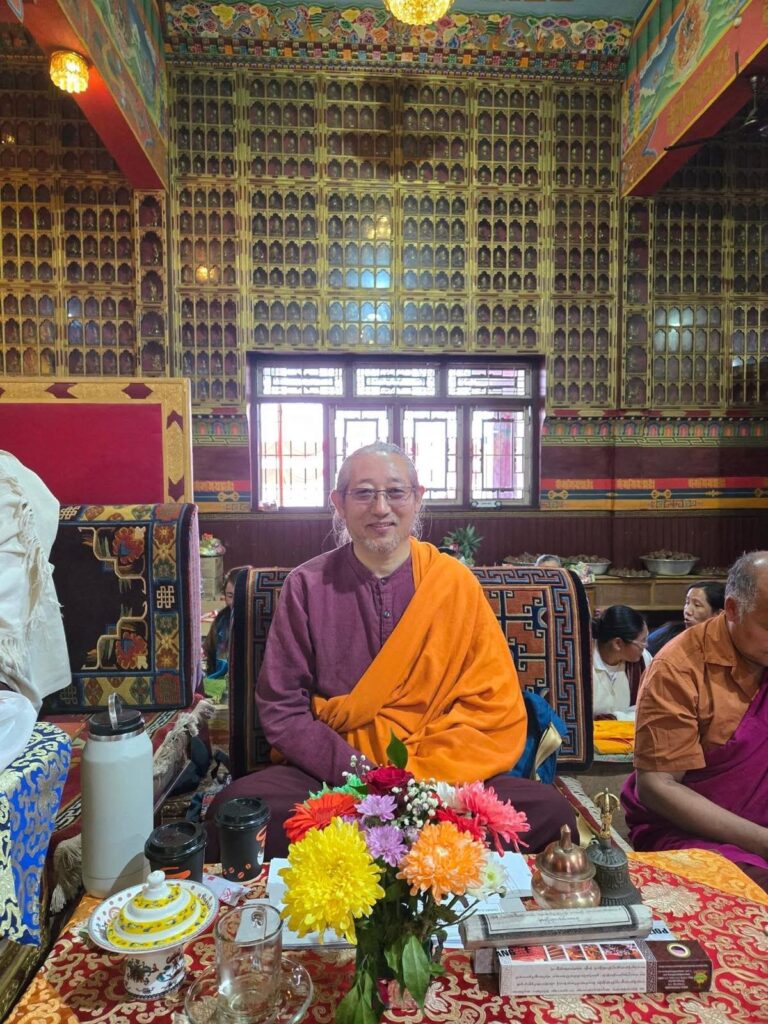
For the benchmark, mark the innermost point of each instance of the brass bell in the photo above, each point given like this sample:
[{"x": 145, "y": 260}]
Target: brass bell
[
  {"x": 611, "y": 865},
  {"x": 563, "y": 876}
]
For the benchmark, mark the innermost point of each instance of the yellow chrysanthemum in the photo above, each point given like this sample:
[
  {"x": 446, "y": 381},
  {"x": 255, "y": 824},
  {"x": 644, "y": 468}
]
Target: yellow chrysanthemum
[
  {"x": 443, "y": 861},
  {"x": 330, "y": 881}
]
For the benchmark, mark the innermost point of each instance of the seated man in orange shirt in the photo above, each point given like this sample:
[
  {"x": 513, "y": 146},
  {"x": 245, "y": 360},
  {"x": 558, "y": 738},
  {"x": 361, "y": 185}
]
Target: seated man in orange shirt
[
  {"x": 701, "y": 756},
  {"x": 386, "y": 634}
]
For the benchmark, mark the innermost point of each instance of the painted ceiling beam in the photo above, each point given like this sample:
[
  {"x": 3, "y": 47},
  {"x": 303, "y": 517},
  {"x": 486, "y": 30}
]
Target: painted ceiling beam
[
  {"x": 706, "y": 99},
  {"x": 48, "y": 24}
]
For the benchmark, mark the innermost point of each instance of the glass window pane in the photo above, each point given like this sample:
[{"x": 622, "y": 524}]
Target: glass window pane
[
  {"x": 301, "y": 380},
  {"x": 291, "y": 455},
  {"x": 500, "y": 456},
  {"x": 354, "y": 428},
  {"x": 430, "y": 438},
  {"x": 395, "y": 380},
  {"x": 507, "y": 381}
]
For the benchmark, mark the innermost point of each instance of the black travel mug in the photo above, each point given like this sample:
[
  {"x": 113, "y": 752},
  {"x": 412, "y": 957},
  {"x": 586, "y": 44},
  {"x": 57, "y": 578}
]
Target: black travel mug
[
  {"x": 242, "y": 823},
  {"x": 178, "y": 849}
]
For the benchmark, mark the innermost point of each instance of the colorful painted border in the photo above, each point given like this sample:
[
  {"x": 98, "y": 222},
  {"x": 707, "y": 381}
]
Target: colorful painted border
[
  {"x": 223, "y": 495},
  {"x": 697, "y": 58},
  {"x": 662, "y": 494},
  {"x": 219, "y": 430},
  {"x": 359, "y": 37},
  {"x": 714, "y": 432}
]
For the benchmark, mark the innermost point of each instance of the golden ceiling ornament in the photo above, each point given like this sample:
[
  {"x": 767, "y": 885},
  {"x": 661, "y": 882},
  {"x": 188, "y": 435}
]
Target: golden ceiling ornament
[
  {"x": 69, "y": 71},
  {"x": 417, "y": 12}
]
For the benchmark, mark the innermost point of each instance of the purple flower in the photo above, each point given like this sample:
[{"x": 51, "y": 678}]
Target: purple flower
[
  {"x": 381, "y": 807},
  {"x": 385, "y": 842}
]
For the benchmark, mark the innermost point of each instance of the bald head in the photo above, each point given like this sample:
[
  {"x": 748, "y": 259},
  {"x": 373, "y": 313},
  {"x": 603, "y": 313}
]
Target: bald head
[
  {"x": 386, "y": 450},
  {"x": 747, "y": 582}
]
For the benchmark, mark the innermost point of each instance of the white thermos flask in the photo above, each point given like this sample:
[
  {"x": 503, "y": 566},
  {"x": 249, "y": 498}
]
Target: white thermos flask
[{"x": 117, "y": 815}]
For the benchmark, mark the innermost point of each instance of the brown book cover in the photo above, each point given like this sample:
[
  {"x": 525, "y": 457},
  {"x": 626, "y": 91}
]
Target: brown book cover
[{"x": 584, "y": 968}]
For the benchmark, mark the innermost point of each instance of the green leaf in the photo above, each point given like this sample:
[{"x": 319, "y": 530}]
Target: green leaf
[
  {"x": 394, "y": 956},
  {"x": 416, "y": 973},
  {"x": 356, "y": 1006},
  {"x": 397, "y": 752}
]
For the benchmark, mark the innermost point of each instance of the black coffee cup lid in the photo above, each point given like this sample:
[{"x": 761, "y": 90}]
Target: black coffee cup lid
[
  {"x": 242, "y": 812},
  {"x": 177, "y": 839}
]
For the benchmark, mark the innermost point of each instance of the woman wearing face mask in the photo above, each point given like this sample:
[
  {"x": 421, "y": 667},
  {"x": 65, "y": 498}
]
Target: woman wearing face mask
[
  {"x": 702, "y": 600},
  {"x": 619, "y": 656}
]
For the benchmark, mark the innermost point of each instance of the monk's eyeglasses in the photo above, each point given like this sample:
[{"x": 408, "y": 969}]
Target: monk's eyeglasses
[{"x": 394, "y": 496}]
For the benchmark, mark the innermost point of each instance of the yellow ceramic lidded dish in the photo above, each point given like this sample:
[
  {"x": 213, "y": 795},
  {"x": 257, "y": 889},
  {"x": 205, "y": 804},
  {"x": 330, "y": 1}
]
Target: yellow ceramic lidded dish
[
  {"x": 149, "y": 925},
  {"x": 161, "y": 913}
]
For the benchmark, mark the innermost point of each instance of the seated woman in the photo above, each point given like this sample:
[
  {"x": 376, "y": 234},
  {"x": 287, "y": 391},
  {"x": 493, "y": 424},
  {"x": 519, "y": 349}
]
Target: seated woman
[
  {"x": 216, "y": 645},
  {"x": 619, "y": 659},
  {"x": 702, "y": 601}
]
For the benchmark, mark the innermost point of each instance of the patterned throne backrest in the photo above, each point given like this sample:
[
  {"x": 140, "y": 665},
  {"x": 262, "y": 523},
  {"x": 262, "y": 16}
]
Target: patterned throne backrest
[
  {"x": 543, "y": 613},
  {"x": 128, "y": 580}
]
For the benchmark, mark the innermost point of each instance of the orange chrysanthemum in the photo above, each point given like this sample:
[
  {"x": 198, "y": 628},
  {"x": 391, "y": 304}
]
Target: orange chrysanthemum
[
  {"x": 318, "y": 812},
  {"x": 443, "y": 861}
]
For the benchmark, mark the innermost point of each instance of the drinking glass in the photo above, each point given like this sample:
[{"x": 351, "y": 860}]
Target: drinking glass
[{"x": 249, "y": 947}]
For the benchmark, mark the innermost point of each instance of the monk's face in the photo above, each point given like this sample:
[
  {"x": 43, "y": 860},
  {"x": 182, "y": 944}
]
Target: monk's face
[{"x": 379, "y": 504}]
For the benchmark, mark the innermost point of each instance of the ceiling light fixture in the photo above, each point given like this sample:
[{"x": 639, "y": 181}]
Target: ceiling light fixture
[
  {"x": 69, "y": 71},
  {"x": 417, "y": 12}
]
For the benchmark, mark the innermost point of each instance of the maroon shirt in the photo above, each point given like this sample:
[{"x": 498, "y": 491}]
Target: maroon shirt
[{"x": 331, "y": 621}]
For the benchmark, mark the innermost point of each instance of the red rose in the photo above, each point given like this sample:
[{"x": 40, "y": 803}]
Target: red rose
[{"x": 382, "y": 781}]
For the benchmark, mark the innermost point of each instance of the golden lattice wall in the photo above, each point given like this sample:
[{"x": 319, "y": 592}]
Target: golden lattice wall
[{"x": 329, "y": 212}]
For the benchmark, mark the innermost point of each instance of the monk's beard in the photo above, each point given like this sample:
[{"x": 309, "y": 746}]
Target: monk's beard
[{"x": 382, "y": 545}]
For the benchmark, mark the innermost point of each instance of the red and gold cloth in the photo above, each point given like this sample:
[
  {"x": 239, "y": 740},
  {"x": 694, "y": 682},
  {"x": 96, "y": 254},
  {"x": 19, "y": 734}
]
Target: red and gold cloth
[{"x": 80, "y": 983}]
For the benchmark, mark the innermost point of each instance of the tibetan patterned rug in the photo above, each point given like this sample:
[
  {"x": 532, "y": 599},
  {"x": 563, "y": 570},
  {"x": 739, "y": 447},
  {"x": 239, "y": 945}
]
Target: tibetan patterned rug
[{"x": 127, "y": 577}]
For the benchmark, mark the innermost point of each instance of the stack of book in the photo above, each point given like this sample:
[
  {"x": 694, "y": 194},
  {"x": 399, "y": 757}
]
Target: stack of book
[{"x": 578, "y": 952}]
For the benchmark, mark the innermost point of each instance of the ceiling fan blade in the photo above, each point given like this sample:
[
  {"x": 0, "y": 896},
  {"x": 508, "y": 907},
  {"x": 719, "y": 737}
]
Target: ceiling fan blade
[{"x": 691, "y": 142}]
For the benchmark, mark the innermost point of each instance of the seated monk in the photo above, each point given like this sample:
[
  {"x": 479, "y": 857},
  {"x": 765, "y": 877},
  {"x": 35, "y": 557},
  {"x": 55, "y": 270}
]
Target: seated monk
[
  {"x": 386, "y": 634},
  {"x": 701, "y": 760}
]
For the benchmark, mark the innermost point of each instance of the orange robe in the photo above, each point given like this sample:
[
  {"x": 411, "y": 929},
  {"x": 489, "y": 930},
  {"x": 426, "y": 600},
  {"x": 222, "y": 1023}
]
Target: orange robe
[{"x": 444, "y": 682}]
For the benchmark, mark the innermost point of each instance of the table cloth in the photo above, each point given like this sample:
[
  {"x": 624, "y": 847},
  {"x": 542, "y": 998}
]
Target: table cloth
[{"x": 80, "y": 983}]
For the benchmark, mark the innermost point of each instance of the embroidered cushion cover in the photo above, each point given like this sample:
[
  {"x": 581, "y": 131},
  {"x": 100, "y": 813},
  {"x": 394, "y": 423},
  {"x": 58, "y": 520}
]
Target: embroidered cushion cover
[{"x": 128, "y": 579}]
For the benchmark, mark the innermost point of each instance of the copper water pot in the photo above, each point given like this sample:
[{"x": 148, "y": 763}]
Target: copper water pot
[{"x": 564, "y": 876}]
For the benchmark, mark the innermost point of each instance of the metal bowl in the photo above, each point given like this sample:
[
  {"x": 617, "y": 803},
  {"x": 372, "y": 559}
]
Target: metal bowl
[
  {"x": 669, "y": 566},
  {"x": 598, "y": 568}
]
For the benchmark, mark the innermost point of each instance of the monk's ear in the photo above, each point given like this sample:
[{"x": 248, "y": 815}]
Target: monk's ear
[
  {"x": 419, "y": 492},
  {"x": 731, "y": 607},
  {"x": 337, "y": 500}
]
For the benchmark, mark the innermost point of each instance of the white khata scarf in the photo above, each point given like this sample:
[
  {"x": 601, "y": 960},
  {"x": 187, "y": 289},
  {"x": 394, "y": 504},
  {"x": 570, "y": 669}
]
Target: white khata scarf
[{"x": 33, "y": 650}]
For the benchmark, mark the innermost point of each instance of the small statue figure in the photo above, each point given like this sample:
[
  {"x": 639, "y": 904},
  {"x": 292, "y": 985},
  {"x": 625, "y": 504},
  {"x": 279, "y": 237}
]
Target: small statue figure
[{"x": 606, "y": 802}]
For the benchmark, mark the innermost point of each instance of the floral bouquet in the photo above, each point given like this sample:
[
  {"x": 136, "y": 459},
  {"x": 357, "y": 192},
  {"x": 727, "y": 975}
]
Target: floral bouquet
[
  {"x": 390, "y": 862},
  {"x": 210, "y": 545}
]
